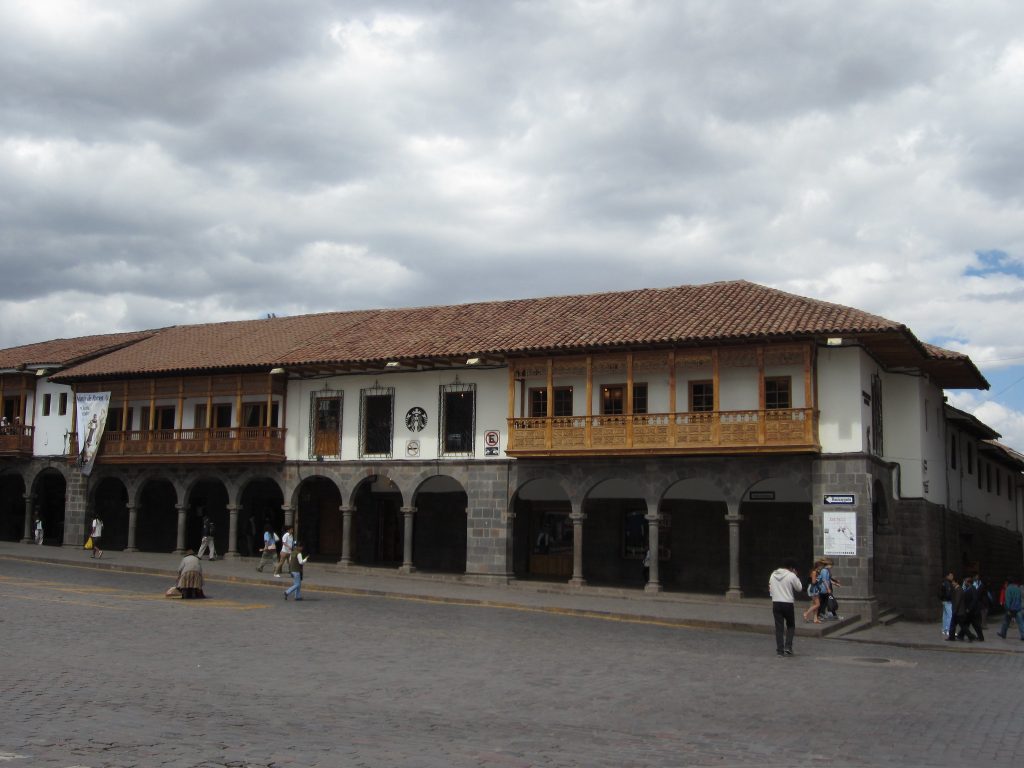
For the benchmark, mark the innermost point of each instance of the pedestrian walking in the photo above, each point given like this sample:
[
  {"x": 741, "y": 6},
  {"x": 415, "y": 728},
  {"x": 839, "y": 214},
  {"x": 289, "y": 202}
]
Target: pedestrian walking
[
  {"x": 38, "y": 528},
  {"x": 207, "y": 544},
  {"x": 268, "y": 554},
  {"x": 96, "y": 534},
  {"x": 295, "y": 562},
  {"x": 782, "y": 584},
  {"x": 826, "y": 582},
  {"x": 286, "y": 549},
  {"x": 973, "y": 603},
  {"x": 946, "y": 598},
  {"x": 1014, "y": 609}
]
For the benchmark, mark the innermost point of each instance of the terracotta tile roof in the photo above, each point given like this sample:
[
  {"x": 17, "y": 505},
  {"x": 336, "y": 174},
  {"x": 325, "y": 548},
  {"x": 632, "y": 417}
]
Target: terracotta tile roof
[
  {"x": 689, "y": 314},
  {"x": 63, "y": 352}
]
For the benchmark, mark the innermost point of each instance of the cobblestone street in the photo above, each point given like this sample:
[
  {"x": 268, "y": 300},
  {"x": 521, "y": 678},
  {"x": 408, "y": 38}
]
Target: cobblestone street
[{"x": 99, "y": 670}]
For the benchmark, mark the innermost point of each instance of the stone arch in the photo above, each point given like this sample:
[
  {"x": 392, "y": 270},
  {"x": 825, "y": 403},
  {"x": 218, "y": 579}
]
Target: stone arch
[
  {"x": 316, "y": 502},
  {"x": 378, "y": 527},
  {"x": 157, "y": 501},
  {"x": 777, "y": 525},
  {"x": 206, "y": 494},
  {"x": 108, "y": 500},
  {"x": 694, "y": 535},
  {"x": 440, "y": 532},
  {"x": 12, "y": 505},
  {"x": 541, "y": 529},
  {"x": 262, "y": 499},
  {"x": 615, "y": 530},
  {"x": 49, "y": 493}
]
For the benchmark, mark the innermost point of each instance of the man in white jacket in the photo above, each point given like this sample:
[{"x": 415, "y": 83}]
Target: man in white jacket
[{"x": 782, "y": 585}]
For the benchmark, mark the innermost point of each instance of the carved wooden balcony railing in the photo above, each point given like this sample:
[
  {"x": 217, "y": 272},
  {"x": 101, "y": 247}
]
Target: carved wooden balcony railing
[
  {"x": 194, "y": 445},
  {"x": 16, "y": 440},
  {"x": 782, "y": 430}
]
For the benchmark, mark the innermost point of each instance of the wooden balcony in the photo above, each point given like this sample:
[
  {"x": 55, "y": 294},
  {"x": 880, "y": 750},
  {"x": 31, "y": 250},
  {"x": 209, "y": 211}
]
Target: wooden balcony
[
  {"x": 16, "y": 441},
  {"x": 231, "y": 444},
  {"x": 768, "y": 431}
]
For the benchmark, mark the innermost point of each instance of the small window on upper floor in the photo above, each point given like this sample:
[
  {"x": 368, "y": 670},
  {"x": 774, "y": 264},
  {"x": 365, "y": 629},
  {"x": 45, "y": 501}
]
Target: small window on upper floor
[
  {"x": 376, "y": 421},
  {"x": 970, "y": 458},
  {"x": 457, "y": 424},
  {"x": 62, "y": 404},
  {"x": 702, "y": 396},
  {"x": 981, "y": 475},
  {"x": 613, "y": 399},
  {"x": 777, "y": 393},
  {"x": 952, "y": 451},
  {"x": 46, "y": 404},
  {"x": 539, "y": 402}
]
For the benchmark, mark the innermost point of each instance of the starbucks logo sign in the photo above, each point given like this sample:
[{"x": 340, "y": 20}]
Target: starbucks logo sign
[{"x": 416, "y": 419}]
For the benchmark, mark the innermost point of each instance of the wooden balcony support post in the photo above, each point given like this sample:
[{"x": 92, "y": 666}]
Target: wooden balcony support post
[
  {"x": 809, "y": 404},
  {"x": 152, "y": 415},
  {"x": 236, "y": 443},
  {"x": 672, "y": 397},
  {"x": 179, "y": 417},
  {"x": 125, "y": 426},
  {"x": 549, "y": 428},
  {"x": 760, "y": 397},
  {"x": 629, "y": 399},
  {"x": 588, "y": 428}
]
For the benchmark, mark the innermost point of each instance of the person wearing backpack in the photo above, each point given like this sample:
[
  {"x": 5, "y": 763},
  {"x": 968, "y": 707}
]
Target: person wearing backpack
[
  {"x": 1014, "y": 609},
  {"x": 269, "y": 552},
  {"x": 946, "y": 597}
]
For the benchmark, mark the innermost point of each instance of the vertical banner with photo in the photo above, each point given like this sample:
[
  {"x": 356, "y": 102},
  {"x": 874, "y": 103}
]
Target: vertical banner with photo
[{"x": 92, "y": 418}]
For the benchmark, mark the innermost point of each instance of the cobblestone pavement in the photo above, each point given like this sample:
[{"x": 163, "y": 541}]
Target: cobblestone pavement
[{"x": 98, "y": 670}]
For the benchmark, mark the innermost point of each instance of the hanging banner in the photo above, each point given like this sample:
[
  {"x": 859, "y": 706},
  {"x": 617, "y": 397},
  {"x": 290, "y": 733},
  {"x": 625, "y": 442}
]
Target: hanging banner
[{"x": 92, "y": 418}]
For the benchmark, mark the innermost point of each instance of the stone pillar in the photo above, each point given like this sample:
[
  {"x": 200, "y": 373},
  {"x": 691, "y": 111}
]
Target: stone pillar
[
  {"x": 577, "y": 518},
  {"x": 407, "y": 566},
  {"x": 27, "y": 534},
  {"x": 733, "y": 518},
  {"x": 289, "y": 518},
  {"x": 653, "y": 532},
  {"x": 233, "y": 530},
  {"x": 346, "y": 536},
  {"x": 182, "y": 524},
  {"x": 133, "y": 520}
]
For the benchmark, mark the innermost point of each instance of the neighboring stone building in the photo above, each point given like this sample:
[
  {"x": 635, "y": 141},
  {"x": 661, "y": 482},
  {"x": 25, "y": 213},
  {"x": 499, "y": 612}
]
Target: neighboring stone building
[{"x": 724, "y": 426}]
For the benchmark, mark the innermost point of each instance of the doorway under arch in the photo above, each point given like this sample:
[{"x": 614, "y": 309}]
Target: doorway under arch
[
  {"x": 541, "y": 532},
  {"x": 439, "y": 532},
  {"x": 378, "y": 527},
  {"x": 318, "y": 516}
]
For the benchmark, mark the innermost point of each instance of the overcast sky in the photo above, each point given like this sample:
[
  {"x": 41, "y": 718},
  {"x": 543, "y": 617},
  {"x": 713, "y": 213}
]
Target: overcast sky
[{"x": 187, "y": 161}]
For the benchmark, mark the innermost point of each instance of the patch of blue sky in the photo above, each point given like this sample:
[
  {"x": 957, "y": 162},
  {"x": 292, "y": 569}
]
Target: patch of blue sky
[{"x": 995, "y": 262}]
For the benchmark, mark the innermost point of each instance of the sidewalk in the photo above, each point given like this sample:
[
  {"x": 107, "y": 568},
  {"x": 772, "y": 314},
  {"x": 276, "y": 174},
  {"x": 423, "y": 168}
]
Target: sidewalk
[{"x": 670, "y": 609}]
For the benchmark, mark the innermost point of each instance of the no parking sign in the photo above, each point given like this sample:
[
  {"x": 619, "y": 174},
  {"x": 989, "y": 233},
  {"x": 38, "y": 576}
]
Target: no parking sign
[{"x": 492, "y": 441}]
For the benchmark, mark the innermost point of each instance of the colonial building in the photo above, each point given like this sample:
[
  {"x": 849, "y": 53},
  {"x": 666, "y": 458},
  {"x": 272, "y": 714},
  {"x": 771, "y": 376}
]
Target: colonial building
[{"x": 724, "y": 427}]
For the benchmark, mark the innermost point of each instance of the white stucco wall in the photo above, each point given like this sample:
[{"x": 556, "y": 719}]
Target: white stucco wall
[
  {"x": 841, "y": 414},
  {"x": 412, "y": 389},
  {"x": 49, "y": 437}
]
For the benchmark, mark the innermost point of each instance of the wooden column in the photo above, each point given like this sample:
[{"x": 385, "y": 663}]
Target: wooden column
[
  {"x": 511, "y": 444},
  {"x": 238, "y": 414},
  {"x": 549, "y": 427},
  {"x": 629, "y": 399},
  {"x": 809, "y": 404},
  {"x": 760, "y": 396},
  {"x": 716, "y": 403},
  {"x": 588, "y": 428},
  {"x": 672, "y": 397}
]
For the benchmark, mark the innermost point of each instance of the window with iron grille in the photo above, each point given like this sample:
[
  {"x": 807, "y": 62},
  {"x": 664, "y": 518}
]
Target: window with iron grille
[
  {"x": 325, "y": 409},
  {"x": 877, "y": 434},
  {"x": 376, "y": 421},
  {"x": 457, "y": 424}
]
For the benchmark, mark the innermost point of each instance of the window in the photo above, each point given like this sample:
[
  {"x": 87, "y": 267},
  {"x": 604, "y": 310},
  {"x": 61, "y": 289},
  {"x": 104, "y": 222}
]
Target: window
[
  {"x": 776, "y": 393},
  {"x": 114, "y": 417},
  {"x": 164, "y": 417},
  {"x": 255, "y": 414},
  {"x": 376, "y": 421},
  {"x": 970, "y": 458},
  {"x": 221, "y": 416},
  {"x": 613, "y": 399},
  {"x": 325, "y": 432},
  {"x": 952, "y": 451},
  {"x": 980, "y": 475},
  {"x": 988, "y": 478},
  {"x": 702, "y": 396},
  {"x": 62, "y": 404},
  {"x": 999, "y": 483},
  {"x": 46, "y": 404},
  {"x": 539, "y": 402},
  {"x": 457, "y": 424}
]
